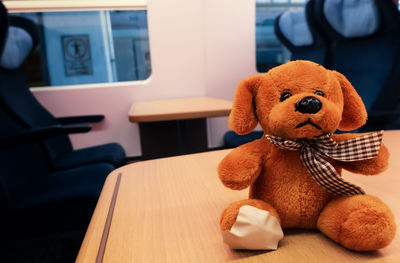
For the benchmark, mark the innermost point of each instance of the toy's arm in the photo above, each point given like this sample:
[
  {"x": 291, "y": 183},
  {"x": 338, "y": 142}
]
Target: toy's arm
[
  {"x": 241, "y": 167},
  {"x": 367, "y": 167}
]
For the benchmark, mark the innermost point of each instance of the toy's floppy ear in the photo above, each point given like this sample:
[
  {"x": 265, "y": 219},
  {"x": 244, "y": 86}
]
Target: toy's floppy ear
[
  {"x": 354, "y": 113},
  {"x": 243, "y": 118}
]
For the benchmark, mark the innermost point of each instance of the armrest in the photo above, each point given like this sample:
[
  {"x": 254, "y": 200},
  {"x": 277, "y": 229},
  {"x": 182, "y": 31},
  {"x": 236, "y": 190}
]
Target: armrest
[
  {"x": 80, "y": 119},
  {"x": 38, "y": 135}
]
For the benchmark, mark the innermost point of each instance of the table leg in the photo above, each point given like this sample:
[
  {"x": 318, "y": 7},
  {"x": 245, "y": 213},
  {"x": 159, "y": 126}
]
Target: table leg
[{"x": 170, "y": 138}]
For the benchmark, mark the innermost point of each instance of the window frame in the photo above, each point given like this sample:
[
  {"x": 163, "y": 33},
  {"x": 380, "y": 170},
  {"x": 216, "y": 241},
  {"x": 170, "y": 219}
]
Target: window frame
[
  {"x": 264, "y": 5},
  {"x": 34, "y": 6},
  {"x": 71, "y": 5}
]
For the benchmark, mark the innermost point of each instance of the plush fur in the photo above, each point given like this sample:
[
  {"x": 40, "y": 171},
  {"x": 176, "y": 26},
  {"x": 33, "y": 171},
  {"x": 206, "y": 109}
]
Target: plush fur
[{"x": 278, "y": 181}]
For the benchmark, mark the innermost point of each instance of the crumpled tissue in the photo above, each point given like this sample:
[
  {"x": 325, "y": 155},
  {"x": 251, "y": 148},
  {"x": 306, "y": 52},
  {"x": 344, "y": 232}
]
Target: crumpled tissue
[{"x": 254, "y": 229}]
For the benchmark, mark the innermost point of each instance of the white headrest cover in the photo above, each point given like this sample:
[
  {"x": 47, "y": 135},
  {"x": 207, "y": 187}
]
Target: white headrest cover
[
  {"x": 294, "y": 27},
  {"x": 17, "y": 47},
  {"x": 352, "y": 18}
]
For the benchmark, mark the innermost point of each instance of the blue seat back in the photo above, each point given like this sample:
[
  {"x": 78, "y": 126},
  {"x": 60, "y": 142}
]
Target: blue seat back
[
  {"x": 20, "y": 166},
  {"x": 364, "y": 40},
  {"x": 15, "y": 94}
]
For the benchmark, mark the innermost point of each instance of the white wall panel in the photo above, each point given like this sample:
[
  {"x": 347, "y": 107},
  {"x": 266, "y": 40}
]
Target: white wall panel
[{"x": 230, "y": 54}]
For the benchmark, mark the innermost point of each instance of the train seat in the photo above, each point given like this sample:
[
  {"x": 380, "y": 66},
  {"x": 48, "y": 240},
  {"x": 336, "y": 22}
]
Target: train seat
[
  {"x": 20, "y": 36},
  {"x": 39, "y": 204},
  {"x": 364, "y": 45}
]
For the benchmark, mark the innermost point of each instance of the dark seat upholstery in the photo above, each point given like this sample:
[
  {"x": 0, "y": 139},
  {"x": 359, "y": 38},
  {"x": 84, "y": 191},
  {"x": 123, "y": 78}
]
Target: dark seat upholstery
[
  {"x": 44, "y": 211},
  {"x": 20, "y": 103},
  {"x": 364, "y": 40},
  {"x": 232, "y": 139},
  {"x": 40, "y": 203}
]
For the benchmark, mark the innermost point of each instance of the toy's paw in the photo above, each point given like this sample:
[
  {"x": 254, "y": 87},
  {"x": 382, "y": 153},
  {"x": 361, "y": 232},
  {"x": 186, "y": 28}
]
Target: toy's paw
[
  {"x": 242, "y": 166},
  {"x": 238, "y": 173},
  {"x": 254, "y": 229},
  {"x": 359, "y": 222}
]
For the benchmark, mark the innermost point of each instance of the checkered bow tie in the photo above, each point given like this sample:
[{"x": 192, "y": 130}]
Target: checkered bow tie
[{"x": 313, "y": 150}]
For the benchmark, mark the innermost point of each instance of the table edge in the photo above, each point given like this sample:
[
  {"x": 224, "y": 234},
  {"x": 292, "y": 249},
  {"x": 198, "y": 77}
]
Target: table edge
[{"x": 179, "y": 116}]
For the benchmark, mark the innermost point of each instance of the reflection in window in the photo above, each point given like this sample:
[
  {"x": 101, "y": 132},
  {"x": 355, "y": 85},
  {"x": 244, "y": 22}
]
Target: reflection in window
[
  {"x": 269, "y": 51},
  {"x": 89, "y": 47}
]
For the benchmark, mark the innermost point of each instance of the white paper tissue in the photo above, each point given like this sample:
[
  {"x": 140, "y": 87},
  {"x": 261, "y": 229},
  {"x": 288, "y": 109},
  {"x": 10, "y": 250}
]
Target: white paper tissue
[{"x": 254, "y": 229}]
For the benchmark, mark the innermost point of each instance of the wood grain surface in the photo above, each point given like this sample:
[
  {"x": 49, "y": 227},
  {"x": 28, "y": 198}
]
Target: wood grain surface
[
  {"x": 179, "y": 109},
  {"x": 167, "y": 210}
]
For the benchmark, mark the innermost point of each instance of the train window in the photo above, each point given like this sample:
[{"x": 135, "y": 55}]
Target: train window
[
  {"x": 269, "y": 51},
  {"x": 84, "y": 47}
]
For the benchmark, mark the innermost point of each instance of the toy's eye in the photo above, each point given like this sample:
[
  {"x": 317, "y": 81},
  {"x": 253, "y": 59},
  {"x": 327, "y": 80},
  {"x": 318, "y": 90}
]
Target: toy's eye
[
  {"x": 319, "y": 93},
  {"x": 285, "y": 96}
]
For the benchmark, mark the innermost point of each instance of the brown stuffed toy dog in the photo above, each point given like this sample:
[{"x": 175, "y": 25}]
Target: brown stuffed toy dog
[{"x": 294, "y": 170}]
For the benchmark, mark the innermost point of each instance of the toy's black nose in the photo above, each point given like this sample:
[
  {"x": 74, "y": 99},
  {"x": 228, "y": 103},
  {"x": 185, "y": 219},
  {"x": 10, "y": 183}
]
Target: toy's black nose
[{"x": 309, "y": 105}]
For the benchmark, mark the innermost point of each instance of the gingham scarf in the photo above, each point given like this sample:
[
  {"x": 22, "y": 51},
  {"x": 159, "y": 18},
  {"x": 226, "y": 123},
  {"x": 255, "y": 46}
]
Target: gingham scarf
[{"x": 313, "y": 150}]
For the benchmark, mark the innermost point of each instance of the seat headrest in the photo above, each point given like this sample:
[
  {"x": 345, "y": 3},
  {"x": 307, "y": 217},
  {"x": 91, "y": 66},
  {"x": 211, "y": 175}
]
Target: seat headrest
[
  {"x": 21, "y": 39},
  {"x": 352, "y": 18},
  {"x": 293, "y": 25},
  {"x": 17, "y": 47}
]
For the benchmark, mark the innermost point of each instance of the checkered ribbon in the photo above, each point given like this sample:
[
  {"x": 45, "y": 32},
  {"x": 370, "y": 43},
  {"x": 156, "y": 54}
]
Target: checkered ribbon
[{"x": 313, "y": 151}]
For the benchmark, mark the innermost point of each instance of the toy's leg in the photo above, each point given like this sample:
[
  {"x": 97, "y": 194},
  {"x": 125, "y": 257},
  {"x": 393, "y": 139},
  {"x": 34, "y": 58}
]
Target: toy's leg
[
  {"x": 360, "y": 222},
  {"x": 251, "y": 224}
]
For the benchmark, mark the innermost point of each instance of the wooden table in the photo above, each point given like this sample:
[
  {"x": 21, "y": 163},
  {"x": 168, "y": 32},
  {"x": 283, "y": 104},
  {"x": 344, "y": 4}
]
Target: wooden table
[
  {"x": 179, "y": 109},
  {"x": 167, "y": 210},
  {"x": 175, "y": 126}
]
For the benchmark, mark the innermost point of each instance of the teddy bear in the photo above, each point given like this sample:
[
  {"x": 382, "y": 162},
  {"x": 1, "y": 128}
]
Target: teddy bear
[{"x": 294, "y": 170}]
